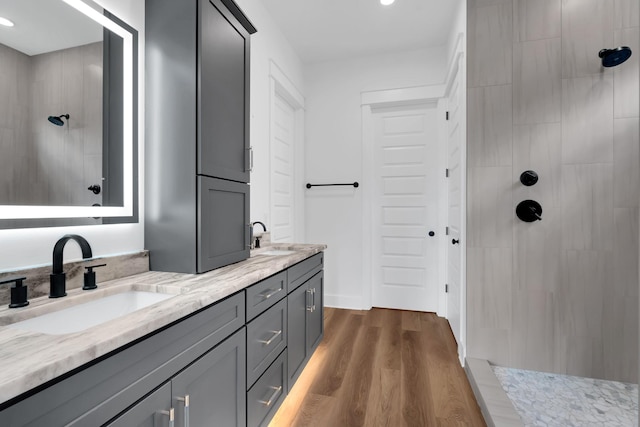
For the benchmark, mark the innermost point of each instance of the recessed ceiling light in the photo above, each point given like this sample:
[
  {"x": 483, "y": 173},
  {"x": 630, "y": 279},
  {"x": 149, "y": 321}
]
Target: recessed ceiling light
[
  {"x": 5, "y": 22},
  {"x": 386, "y": 2}
]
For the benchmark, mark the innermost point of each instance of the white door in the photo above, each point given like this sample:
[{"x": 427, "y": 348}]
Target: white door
[
  {"x": 282, "y": 170},
  {"x": 405, "y": 208},
  {"x": 454, "y": 209}
]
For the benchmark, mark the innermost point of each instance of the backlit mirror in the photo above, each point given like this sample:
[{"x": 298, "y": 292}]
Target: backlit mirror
[{"x": 68, "y": 115}]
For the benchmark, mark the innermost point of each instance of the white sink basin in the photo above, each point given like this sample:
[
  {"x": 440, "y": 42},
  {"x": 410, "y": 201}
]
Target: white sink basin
[
  {"x": 276, "y": 252},
  {"x": 88, "y": 314}
]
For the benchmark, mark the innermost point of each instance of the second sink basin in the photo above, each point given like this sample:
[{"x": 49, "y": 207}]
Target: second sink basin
[{"x": 83, "y": 316}]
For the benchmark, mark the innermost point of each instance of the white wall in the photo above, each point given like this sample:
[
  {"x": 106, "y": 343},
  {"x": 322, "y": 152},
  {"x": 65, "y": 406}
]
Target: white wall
[
  {"x": 28, "y": 247},
  {"x": 268, "y": 44},
  {"x": 333, "y": 153}
]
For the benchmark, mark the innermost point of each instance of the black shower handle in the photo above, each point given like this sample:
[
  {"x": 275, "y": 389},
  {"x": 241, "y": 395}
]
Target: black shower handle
[{"x": 455, "y": 241}]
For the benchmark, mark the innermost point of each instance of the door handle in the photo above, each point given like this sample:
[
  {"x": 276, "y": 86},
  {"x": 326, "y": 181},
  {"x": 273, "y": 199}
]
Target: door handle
[
  {"x": 309, "y": 306},
  {"x": 185, "y": 399},
  {"x": 454, "y": 241},
  {"x": 171, "y": 414}
]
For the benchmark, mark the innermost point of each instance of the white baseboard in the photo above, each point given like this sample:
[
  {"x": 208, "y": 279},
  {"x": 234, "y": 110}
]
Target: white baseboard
[{"x": 344, "y": 301}]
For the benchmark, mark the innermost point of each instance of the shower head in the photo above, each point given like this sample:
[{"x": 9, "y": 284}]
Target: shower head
[
  {"x": 57, "y": 120},
  {"x": 613, "y": 57}
]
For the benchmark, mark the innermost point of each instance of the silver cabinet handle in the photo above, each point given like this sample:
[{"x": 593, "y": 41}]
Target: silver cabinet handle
[
  {"x": 171, "y": 414},
  {"x": 313, "y": 296},
  {"x": 269, "y": 293},
  {"x": 309, "y": 306},
  {"x": 185, "y": 399},
  {"x": 276, "y": 390},
  {"x": 250, "y": 149},
  {"x": 276, "y": 334}
]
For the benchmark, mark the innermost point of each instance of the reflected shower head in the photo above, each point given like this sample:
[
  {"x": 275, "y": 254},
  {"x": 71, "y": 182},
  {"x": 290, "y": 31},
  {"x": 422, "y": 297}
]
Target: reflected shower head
[
  {"x": 613, "y": 57},
  {"x": 57, "y": 120}
]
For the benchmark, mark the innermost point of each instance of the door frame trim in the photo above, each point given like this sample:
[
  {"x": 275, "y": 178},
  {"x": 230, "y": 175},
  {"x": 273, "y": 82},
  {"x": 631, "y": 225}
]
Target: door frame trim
[
  {"x": 281, "y": 85},
  {"x": 369, "y": 101}
]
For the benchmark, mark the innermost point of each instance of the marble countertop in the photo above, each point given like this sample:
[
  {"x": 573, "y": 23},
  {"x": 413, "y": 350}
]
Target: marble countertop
[{"x": 29, "y": 359}]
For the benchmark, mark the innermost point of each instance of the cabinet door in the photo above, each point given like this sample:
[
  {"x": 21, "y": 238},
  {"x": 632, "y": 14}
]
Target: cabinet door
[
  {"x": 152, "y": 411},
  {"x": 215, "y": 385},
  {"x": 315, "y": 321},
  {"x": 223, "y": 132},
  {"x": 223, "y": 223},
  {"x": 297, "y": 305}
]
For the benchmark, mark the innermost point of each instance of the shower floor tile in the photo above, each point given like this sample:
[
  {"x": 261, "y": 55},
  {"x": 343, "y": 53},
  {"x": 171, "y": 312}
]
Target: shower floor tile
[{"x": 554, "y": 400}]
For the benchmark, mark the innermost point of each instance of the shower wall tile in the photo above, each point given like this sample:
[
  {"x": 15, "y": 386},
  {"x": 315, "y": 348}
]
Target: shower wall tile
[
  {"x": 490, "y": 42},
  {"x": 490, "y": 210},
  {"x": 587, "y": 119},
  {"x": 489, "y": 118},
  {"x": 535, "y": 20},
  {"x": 626, "y": 82},
  {"x": 489, "y": 271},
  {"x": 626, "y": 157},
  {"x": 627, "y": 13},
  {"x": 538, "y": 148},
  {"x": 533, "y": 333},
  {"x": 489, "y": 344},
  {"x": 585, "y": 356},
  {"x": 586, "y": 274},
  {"x": 587, "y": 214},
  {"x": 620, "y": 305},
  {"x": 537, "y": 81},
  {"x": 537, "y": 250},
  {"x": 587, "y": 27}
]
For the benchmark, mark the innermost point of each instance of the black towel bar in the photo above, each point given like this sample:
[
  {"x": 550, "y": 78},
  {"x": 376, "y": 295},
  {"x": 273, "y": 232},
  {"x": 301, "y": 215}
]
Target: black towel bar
[{"x": 355, "y": 184}]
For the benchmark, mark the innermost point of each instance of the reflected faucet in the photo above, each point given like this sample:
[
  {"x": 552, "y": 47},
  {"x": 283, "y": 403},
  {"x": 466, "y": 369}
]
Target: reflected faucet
[{"x": 57, "y": 278}]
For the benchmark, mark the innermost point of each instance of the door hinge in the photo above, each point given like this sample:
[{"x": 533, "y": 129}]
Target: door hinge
[
  {"x": 446, "y": 173},
  {"x": 446, "y": 231},
  {"x": 447, "y": 115},
  {"x": 446, "y": 288}
]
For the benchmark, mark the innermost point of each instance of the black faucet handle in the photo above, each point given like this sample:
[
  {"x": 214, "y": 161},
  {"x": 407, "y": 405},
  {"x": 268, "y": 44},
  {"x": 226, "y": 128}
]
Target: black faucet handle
[
  {"x": 18, "y": 291},
  {"x": 90, "y": 277}
]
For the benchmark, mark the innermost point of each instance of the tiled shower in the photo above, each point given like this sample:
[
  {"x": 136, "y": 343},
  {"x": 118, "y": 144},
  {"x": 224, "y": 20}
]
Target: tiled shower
[{"x": 558, "y": 295}]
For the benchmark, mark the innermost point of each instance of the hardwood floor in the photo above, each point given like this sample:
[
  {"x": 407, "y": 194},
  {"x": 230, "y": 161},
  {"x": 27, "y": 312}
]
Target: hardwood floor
[{"x": 382, "y": 367}]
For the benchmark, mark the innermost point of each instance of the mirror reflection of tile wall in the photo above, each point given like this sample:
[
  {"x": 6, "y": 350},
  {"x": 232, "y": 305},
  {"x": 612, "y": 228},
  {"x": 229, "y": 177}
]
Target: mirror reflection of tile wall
[{"x": 40, "y": 163}]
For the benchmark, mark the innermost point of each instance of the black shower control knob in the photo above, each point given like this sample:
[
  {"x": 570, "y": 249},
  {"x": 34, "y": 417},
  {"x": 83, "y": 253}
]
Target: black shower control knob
[
  {"x": 95, "y": 188},
  {"x": 431, "y": 233},
  {"x": 529, "y": 211},
  {"x": 528, "y": 178},
  {"x": 455, "y": 241}
]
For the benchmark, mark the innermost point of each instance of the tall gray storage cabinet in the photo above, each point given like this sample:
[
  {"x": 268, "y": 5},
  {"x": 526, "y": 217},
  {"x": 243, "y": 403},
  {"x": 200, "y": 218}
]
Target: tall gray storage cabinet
[{"x": 197, "y": 157}]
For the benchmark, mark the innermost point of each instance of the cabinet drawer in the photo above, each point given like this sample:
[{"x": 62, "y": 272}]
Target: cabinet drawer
[
  {"x": 266, "y": 338},
  {"x": 264, "y": 398},
  {"x": 266, "y": 293},
  {"x": 299, "y": 273}
]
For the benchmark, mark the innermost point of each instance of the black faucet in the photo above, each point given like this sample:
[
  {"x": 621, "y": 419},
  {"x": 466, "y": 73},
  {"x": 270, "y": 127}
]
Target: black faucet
[
  {"x": 58, "y": 277},
  {"x": 264, "y": 228}
]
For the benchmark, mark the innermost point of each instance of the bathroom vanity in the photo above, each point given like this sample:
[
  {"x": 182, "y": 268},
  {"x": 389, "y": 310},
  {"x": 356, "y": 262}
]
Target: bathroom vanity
[{"x": 224, "y": 350}]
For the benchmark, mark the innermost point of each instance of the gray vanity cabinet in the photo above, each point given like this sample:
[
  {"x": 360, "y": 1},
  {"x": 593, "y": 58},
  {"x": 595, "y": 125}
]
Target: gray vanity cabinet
[
  {"x": 305, "y": 322},
  {"x": 197, "y": 129},
  {"x": 152, "y": 411}
]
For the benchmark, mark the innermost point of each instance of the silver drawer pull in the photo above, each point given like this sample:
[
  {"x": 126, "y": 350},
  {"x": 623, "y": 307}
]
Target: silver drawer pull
[
  {"x": 276, "y": 390},
  {"x": 171, "y": 414},
  {"x": 309, "y": 305},
  {"x": 269, "y": 293},
  {"x": 313, "y": 294},
  {"x": 185, "y": 399},
  {"x": 276, "y": 334}
]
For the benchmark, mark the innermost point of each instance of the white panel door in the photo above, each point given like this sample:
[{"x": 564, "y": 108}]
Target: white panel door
[
  {"x": 405, "y": 208},
  {"x": 454, "y": 209},
  {"x": 282, "y": 170}
]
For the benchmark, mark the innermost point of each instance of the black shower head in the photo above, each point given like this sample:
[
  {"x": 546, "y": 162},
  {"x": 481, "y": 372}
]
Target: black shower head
[
  {"x": 57, "y": 120},
  {"x": 613, "y": 57}
]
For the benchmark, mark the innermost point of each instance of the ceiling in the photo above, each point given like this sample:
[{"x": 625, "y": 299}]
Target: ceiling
[
  {"x": 45, "y": 25},
  {"x": 321, "y": 30}
]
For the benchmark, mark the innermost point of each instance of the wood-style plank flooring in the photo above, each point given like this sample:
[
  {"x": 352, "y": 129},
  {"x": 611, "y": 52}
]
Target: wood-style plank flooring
[{"x": 382, "y": 368}]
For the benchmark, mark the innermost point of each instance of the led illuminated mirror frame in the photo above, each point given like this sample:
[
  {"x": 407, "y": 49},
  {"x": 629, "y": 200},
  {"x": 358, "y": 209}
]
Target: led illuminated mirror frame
[{"x": 123, "y": 119}]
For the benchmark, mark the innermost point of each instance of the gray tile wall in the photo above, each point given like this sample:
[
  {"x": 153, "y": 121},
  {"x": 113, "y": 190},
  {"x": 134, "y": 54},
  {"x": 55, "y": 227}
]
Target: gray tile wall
[
  {"x": 559, "y": 295},
  {"x": 41, "y": 163}
]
